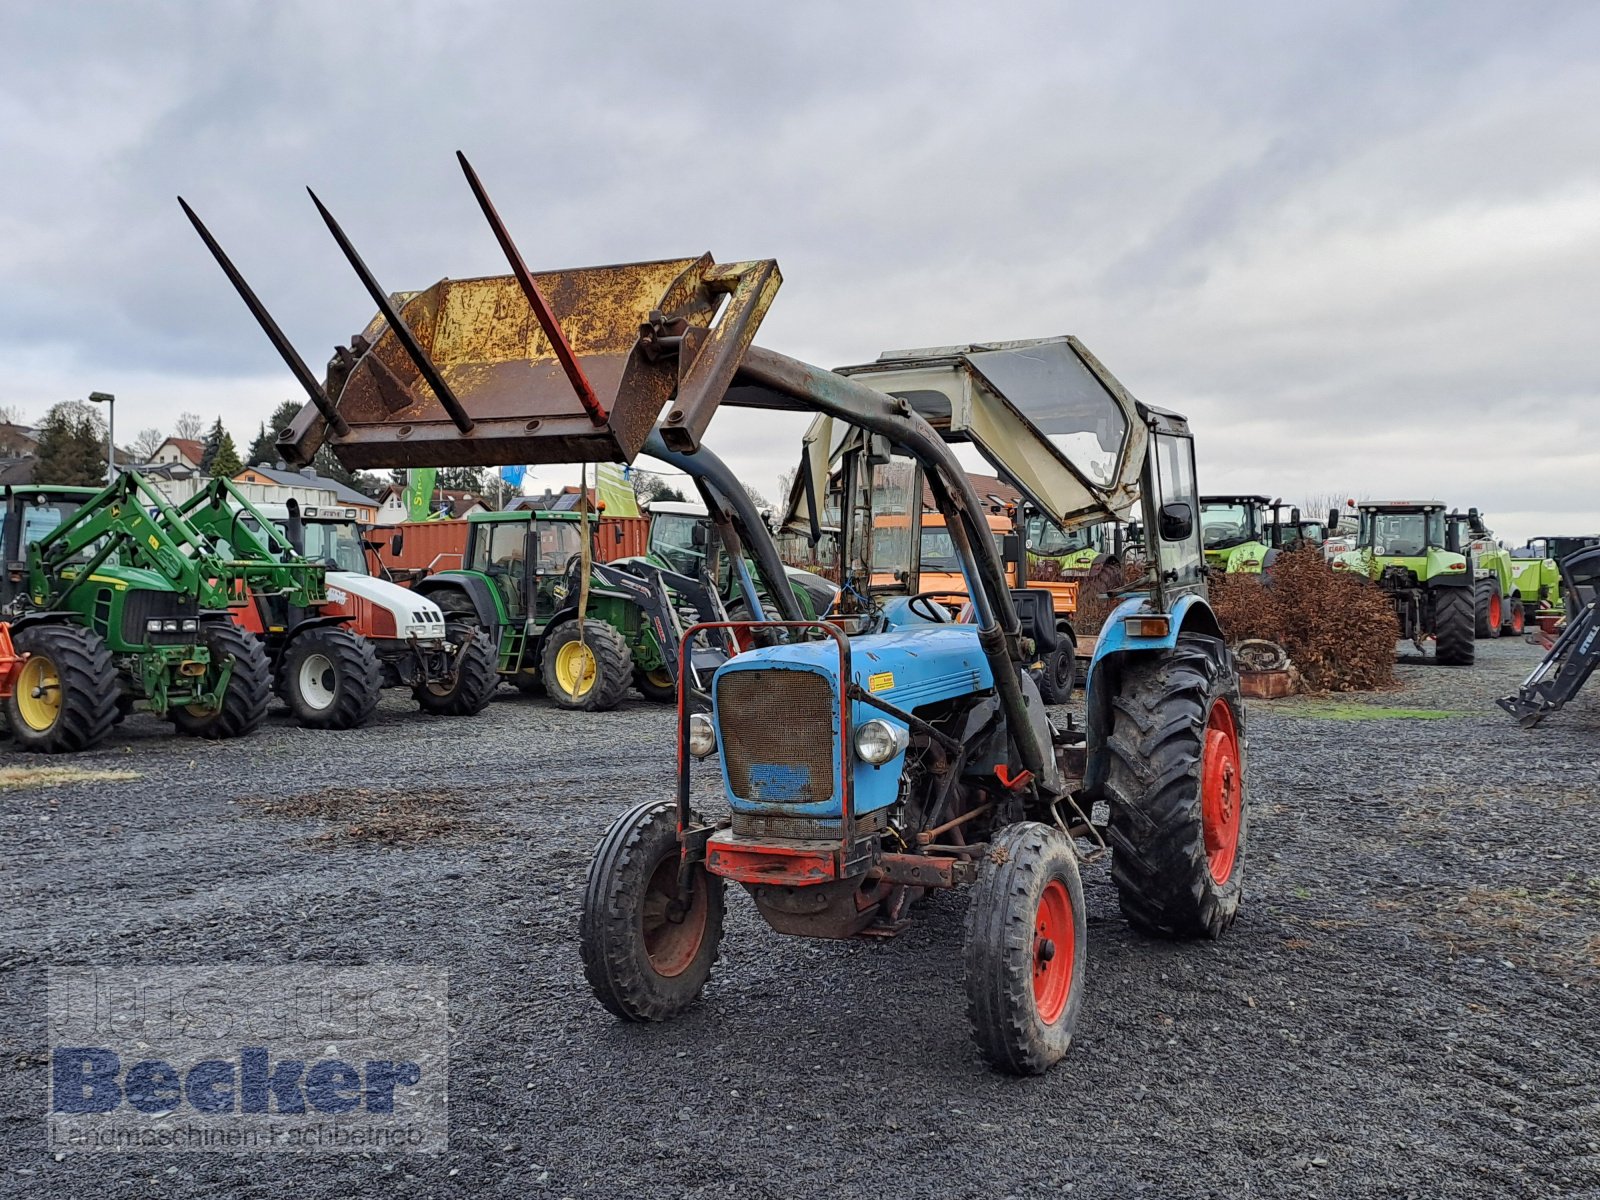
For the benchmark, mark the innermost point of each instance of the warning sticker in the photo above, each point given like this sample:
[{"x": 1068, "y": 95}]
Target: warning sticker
[{"x": 883, "y": 681}]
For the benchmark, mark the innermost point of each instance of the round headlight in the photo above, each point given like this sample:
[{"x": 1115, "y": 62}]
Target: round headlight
[
  {"x": 877, "y": 741},
  {"x": 702, "y": 735}
]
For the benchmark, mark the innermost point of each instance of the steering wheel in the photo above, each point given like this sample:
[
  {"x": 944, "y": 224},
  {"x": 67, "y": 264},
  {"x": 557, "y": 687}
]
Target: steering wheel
[{"x": 926, "y": 606}]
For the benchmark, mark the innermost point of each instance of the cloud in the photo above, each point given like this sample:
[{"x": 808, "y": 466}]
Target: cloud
[{"x": 1357, "y": 244}]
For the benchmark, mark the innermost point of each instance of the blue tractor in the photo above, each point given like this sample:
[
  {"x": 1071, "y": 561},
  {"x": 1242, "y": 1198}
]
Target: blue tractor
[
  {"x": 888, "y": 750},
  {"x": 893, "y": 750}
]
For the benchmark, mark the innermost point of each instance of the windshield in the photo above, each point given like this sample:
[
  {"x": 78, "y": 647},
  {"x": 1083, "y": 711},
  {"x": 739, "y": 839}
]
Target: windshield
[
  {"x": 337, "y": 544},
  {"x": 1060, "y": 397},
  {"x": 939, "y": 554},
  {"x": 1401, "y": 534},
  {"x": 1046, "y": 539},
  {"x": 42, "y": 517},
  {"x": 498, "y": 547},
  {"x": 672, "y": 540},
  {"x": 1231, "y": 524},
  {"x": 558, "y": 542}
]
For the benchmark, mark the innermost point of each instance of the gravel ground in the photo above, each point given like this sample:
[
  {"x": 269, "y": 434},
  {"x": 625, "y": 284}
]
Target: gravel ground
[{"x": 1405, "y": 1007}]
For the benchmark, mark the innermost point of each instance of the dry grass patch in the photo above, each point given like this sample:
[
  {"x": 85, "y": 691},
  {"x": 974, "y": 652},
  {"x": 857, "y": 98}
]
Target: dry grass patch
[
  {"x": 378, "y": 816},
  {"x": 12, "y": 778}
]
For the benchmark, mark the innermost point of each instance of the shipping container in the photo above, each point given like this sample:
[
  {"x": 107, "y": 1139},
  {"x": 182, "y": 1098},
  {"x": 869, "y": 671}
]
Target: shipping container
[{"x": 431, "y": 546}]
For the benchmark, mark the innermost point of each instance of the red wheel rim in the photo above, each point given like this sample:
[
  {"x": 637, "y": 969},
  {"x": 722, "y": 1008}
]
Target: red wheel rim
[
  {"x": 672, "y": 939},
  {"x": 1221, "y": 791},
  {"x": 1518, "y": 619},
  {"x": 1054, "y": 947},
  {"x": 1496, "y": 614}
]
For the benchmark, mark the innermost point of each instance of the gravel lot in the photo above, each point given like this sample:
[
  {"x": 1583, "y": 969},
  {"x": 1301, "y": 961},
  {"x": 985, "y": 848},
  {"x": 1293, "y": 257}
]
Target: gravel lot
[{"x": 1406, "y": 1006}]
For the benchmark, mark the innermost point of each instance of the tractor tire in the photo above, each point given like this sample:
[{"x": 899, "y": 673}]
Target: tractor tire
[
  {"x": 1175, "y": 788},
  {"x": 644, "y": 960},
  {"x": 591, "y": 676},
  {"x": 1059, "y": 674},
  {"x": 1026, "y": 950},
  {"x": 244, "y": 704},
  {"x": 1454, "y": 618},
  {"x": 476, "y": 677},
  {"x": 330, "y": 678},
  {"x": 1488, "y": 609},
  {"x": 1516, "y": 618},
  {"x": 65, "y": 699},
  {"x": 656, "y": 685}
]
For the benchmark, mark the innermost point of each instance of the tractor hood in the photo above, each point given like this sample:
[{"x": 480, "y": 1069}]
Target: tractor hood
[
  {"x": 413, "y": 615},
  {"x": 1435, "y": 564}
]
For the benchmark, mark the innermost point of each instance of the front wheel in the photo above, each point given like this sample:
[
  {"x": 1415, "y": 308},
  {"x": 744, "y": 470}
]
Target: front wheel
[
  {"x": 657, "y": 685},
  {"x": 244, "y": 703},
  {"x": 591, "y": 675},
  {"x": 330, "y": 678},
  {"x": 1454, "y": 619},
  {"x": 1489, "y": 615},
  {"x": 1516, "y": 618},
  {"x": 65, "y": 696},
  {"x": 1060, "y": 672},
  {"x": 647, "y": 952},
  {"x": 469, "y": 689},
  {"x": 1175, "y": 787},
  {"x": 1026, "y": 948}
]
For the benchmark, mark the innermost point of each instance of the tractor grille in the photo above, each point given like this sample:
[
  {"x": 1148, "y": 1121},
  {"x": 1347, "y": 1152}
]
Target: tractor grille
[
  {"x": 141, "y": 606},
  {"x": 778, "y": 731}
]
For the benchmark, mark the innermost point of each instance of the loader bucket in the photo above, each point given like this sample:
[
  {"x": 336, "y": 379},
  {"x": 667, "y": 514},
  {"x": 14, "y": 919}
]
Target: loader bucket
[{"x": 515, "y": 400}]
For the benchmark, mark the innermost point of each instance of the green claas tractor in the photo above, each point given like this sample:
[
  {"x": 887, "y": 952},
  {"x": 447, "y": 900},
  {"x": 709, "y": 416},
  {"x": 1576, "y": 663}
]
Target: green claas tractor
[
  {"x": 117, "y": 601},
  {"x": 1539, "y": 574},
  {"x": 1234, "y": 532},
  {"x": 1074, "y": 552},
  {"x": 1498, "y": 604},
  {"x": 1414, "y": 553}
]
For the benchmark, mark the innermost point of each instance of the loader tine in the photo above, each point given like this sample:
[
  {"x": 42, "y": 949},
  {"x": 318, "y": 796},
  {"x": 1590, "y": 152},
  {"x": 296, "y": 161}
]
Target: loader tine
[
  {"x": 402, "y": 332},
  {"x": 541, "y": 307},
  {"x": 286, "y": 351}
]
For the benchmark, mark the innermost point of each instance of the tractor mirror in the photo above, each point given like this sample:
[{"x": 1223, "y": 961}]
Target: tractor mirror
[
  {"x": 1177, "y": 522},
  {"x": 1294, "y": 516},
  {"x": 1334, "y": 517},
  {"x": 1011, "y": 547},
  {"x": 697, "y": 537},
  {"x": 397, "y": 542}
]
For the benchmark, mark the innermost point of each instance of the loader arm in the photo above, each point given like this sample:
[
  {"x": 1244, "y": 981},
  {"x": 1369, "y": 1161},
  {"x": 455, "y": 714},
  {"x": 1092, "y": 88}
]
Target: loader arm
[
  {"x": 119, "y": 518},
  {"x": 261, "y": 556}
]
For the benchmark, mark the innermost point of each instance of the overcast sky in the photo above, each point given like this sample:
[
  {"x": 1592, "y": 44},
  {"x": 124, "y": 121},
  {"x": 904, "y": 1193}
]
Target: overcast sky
[{"x": 1357, "y": 244}]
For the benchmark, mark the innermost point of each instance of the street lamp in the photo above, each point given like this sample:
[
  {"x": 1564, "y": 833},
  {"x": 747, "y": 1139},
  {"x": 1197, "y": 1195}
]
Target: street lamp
[{"x": 110, "y": 402}]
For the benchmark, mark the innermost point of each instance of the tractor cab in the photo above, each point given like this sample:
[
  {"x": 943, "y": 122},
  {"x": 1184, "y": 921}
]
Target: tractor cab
[
  {"x": 527, "y": 557},
  {"x": 1414, "y": 552},
  {"x": 679, "y": 536},
  {"x": 1234, "y": 531},
  {"x": 32, "y": 513}
]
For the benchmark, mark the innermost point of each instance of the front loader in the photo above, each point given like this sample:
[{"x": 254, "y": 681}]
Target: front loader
[
  {"x": 888, "y": 750},
  {"x": 115, "y": 601},
  {"x": 1574, "y": 655},
  {"x": 1414, "y": 554}
]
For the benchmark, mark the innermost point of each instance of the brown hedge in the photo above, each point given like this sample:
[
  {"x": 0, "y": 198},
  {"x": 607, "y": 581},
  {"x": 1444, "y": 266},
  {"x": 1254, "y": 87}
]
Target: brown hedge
[{"x": 1337, "y": 628}]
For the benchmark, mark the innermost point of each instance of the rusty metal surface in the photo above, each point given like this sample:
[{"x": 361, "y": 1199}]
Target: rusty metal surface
[{"x": 642, "y": 332}]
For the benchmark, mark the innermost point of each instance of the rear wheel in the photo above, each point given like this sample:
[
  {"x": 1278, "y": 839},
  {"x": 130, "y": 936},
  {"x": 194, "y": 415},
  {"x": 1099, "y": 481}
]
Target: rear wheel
[
  {"x": 1025, "y": 950},
  {"x": 1453, "y": 622},
  {"x": 646, "y": 953},
  {"x": 1490, "y": 610},
  {"x": 244, "y": 704},
  {"x": 65, "y": 696},
  {"x": 591, "y": 675},
  {"x": 472, "y": 686},
  {"x": 1175, "y": 787},
  {"x": 330, "y": 678}
]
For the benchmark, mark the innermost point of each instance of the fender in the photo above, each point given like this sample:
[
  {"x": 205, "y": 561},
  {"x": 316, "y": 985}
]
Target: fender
[
  {"x": 317, "y": 622},
  {"x": 485, "y": 603},
  {"x": 1190, "y": 614},
  {"x": 46, "y": 616}
]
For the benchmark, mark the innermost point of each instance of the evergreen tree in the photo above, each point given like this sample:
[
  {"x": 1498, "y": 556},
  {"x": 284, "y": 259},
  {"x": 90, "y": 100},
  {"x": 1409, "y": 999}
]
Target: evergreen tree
[
  {"x": 264, "y": 450},
  {"x": 225, "y": 463},
  {"x": 213, "y": 443},
  {"x": 70, "y": 448}
]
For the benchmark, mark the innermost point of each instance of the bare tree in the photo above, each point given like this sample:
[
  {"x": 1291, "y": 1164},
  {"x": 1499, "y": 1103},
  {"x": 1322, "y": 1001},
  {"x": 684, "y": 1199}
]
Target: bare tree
[
  {"x": 189, "y": 426},
  {"x": 10, "y": 414},
  {"x": 147, "y": 443}
]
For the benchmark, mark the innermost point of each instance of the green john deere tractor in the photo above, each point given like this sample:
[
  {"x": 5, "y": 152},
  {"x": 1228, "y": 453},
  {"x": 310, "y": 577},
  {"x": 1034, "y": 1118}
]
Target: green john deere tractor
[
  {"x": 116, "y": 608},
  {"x": 1410, "y": 550},
  {"x": 1498, "y": 603}
]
